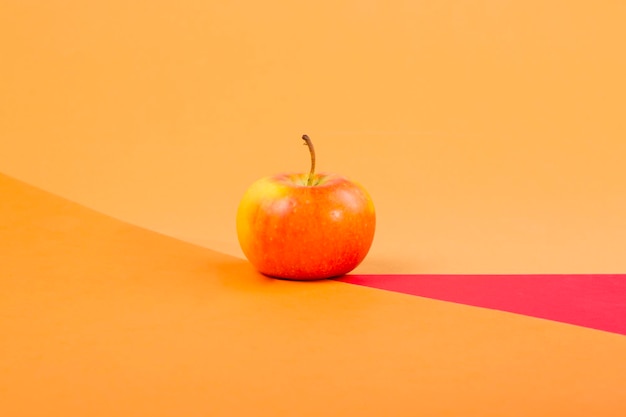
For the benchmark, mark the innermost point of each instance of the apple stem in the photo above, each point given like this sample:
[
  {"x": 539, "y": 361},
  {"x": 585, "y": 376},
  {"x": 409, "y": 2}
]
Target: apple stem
[{"x": 312, "y": 152}]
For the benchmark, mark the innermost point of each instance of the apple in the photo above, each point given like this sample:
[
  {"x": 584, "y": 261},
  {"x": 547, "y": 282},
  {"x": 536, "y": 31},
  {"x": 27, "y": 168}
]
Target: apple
[{"x": 305, "y": 226}]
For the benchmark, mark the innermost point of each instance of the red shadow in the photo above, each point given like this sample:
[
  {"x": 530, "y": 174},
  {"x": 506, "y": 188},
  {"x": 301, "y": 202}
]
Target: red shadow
[{"x": 594, "y": 301}]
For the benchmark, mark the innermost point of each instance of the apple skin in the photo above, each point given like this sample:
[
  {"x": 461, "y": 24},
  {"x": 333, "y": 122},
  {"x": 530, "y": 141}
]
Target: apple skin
[{"x": 288, "y": 229}]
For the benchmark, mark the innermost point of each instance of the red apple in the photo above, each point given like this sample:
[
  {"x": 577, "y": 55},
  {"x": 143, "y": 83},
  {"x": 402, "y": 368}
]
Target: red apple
[{"x": 306, "y": 226}]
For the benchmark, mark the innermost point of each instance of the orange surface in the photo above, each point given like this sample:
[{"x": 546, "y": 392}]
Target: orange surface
[
  {"x": 489, "y": 134},
  {"x": 102, "y": 318}
]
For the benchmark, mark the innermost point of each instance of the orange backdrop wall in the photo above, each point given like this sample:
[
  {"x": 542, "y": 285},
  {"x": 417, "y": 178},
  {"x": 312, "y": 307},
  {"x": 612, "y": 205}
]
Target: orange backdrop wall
[{"x": 491, "y": 134}]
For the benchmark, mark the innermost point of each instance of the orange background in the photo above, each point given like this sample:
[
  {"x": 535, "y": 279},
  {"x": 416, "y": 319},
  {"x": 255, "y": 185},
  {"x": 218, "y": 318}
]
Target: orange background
[{"x": 490, "y": 134}]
